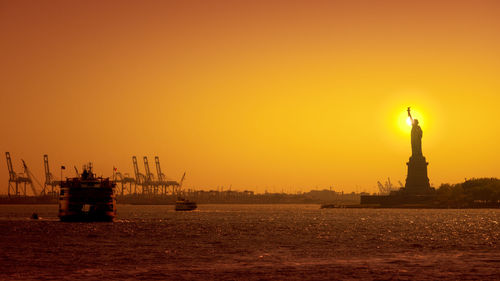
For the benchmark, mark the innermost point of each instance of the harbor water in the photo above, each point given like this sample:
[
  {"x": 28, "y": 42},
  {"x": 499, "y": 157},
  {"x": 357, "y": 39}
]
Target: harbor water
[{"x": 252, "y": 242}]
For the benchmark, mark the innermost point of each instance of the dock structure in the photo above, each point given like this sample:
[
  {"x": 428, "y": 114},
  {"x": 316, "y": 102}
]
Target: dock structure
[
  {"x": 151, "y": 184},
  {"x": 144, "y": 184}
]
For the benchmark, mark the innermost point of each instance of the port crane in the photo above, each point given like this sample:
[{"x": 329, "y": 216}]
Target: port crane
[
  {"x": 17, "y": 179},
  {"x": 164, "y": 182},
  {"x": 49, "y": 178},
  {"x": 151, "y": 184},
  {"x": 160, "y": 176},
  {"x": 387, "y": 187},
  {"x": 125, "y": 180},
  {"x": 32, "y": 177},
  {"x": 176, "y": 185},
  {"x": 179, "y": 184},
  {"x": 140, "y": 179}
]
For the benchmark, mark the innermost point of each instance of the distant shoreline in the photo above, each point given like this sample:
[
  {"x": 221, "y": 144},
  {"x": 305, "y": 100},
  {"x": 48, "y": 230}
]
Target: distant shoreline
[{"x": 320, "y": 206}]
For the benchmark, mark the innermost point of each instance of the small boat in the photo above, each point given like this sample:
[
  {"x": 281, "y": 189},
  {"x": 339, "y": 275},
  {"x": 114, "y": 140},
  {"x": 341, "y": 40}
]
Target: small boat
[
  {"x": 328, "y": 206},
  {"x": 185, "y": 205},
  {"x": 332, "y": 206},
  {"x": 87, "y": 198}
]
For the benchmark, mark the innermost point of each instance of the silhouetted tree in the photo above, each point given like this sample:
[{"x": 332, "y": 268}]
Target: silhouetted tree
[{"x": 470, "y": 192}]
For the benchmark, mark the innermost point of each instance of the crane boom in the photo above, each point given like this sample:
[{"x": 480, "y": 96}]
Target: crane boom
[
  {"x": 146, "y": 168},
  {"x": 136, "y": 170},
  {"x": 182, "y": 180},
  {"x": 48, "y": 175},
  {"x": 161, "y": 176},
  {"x": 30, "y": 180}
]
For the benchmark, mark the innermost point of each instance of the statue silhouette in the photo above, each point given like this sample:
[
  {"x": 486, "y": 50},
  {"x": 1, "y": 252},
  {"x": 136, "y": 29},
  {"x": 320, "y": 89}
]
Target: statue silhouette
[
  {"x": 417, "y": 181},
  {"x": 416, "y": 136}
]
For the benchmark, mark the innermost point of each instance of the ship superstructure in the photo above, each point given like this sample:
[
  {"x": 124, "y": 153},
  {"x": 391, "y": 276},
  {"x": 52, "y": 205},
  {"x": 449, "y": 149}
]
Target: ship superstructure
[{"x": 87, "y": 198}]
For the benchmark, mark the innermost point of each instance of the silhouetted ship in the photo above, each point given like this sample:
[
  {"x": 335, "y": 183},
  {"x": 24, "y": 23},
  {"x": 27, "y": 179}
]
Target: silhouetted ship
[
  {"x": 87, "y": 198},
  {"x": 185, "y": 205}
]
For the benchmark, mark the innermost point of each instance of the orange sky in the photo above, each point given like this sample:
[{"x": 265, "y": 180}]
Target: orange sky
[{"x": 260, "y": 95}]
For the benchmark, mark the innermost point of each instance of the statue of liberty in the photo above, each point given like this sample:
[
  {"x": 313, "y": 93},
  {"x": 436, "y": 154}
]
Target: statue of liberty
[
  {"x": 417, "y": 181},
  {"x": 416, "y": 136}
]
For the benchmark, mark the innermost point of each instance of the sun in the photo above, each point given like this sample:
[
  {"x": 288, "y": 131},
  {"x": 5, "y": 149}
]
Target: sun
[
  {"x": 404, "y": 122},
  {"x": 408, "y": 121}
]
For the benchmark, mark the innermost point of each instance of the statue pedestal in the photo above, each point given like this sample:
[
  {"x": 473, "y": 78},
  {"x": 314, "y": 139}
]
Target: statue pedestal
[{"x": 417, "y": 181}]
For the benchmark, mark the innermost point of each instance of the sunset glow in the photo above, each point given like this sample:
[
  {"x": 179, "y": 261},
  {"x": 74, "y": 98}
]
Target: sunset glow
[
  {"x": 257, "y": 95},
  {"x": 250, "y": 140},
  {"x": 408, "y": 121}
]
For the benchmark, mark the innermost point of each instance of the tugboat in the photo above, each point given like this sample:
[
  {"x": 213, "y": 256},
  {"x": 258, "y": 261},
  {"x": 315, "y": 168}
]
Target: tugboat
[
  {"x": 185, "y": 205},
  {"x": 87, "y": 198}
]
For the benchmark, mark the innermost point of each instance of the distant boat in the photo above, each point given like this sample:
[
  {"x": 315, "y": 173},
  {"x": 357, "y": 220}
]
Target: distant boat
[
  {"x": 332, "y": 206},
  {"x": 87, "y": 198},
  {"x": 185, "y": 205},
  {"x": 328, "y": 206}
]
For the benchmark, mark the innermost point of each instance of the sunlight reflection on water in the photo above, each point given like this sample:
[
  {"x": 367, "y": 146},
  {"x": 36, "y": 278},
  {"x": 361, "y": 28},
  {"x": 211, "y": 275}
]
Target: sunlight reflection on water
[{"x": 262, "y": 241}]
